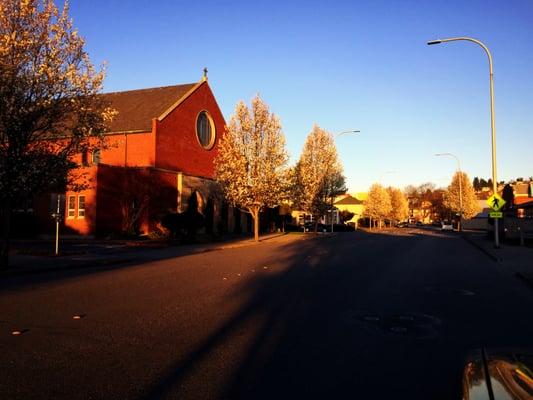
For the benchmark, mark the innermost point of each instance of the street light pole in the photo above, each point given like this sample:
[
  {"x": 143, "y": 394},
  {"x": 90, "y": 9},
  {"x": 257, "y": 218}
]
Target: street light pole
[
  {"x": 335, "y": 136},
  {"x": 460, "y": 187},
  {"x": 492, "y": 123}
]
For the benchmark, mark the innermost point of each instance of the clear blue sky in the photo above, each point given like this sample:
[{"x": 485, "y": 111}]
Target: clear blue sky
[{"x": 344, "y": 65}]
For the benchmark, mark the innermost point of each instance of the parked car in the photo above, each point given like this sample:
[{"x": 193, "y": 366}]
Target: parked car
[
  {"x": 446, "y": 226},
  {"x": 310, "y": 227},
  {"x": 403, "y": 224},
  {"x": 508, "y": 370}
]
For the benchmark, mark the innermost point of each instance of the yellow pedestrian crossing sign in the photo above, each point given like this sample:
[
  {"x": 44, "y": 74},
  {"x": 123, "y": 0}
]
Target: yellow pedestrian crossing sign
[{"x": 496, "y": 202}]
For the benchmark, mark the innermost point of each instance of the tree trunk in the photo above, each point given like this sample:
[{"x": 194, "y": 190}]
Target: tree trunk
[
  {"x": 255, "y": 216},
  {"x": 6, "y": 230}
]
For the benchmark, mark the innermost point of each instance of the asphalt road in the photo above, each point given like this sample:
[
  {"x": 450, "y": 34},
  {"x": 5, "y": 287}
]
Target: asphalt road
[{"x": 363, "y": 316}]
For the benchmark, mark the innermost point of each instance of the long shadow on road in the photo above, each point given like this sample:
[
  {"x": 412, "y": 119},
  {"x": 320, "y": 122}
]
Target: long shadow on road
[{"x": 362, "y": 315}]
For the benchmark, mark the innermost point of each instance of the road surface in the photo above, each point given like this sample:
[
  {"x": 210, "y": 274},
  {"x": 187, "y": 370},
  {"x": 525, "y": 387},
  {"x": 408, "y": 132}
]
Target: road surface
[{"x": 357, "y": 315}]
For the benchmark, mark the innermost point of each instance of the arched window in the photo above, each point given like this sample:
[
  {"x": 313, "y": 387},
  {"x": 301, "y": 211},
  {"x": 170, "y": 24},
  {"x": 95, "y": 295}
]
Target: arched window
[{"x": 205, "y": 130}]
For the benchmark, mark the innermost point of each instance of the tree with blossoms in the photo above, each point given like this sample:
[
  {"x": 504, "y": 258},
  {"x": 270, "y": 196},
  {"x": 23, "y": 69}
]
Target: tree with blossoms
[
  {"x": 50, "y": 110},
  {"x": 378, "y": 204},
  {"x": 461, "y": 195},
  {"x": 317, "y": 176},
  {"x": 251, "y": 165},
  {"x": 399, "y": 205}
]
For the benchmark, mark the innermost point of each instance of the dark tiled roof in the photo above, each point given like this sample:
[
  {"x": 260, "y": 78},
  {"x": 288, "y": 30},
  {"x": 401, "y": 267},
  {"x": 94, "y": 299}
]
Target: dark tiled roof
[
  {"x": 349, "y": 200},
  {"x": 137, "y": 108}
]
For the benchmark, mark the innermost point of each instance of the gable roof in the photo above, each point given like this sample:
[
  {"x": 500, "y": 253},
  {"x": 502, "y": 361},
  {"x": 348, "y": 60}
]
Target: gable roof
[
  {"x": 349, "y": 200},
  {"x": 137, "y": 108}
]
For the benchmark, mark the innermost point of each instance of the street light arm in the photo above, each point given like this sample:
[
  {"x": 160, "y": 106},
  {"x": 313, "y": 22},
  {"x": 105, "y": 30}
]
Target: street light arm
[
  {"x": 478, "y": 42},
  {"x": 345, "y": 132},
  {"x": 451, "y": 155}
]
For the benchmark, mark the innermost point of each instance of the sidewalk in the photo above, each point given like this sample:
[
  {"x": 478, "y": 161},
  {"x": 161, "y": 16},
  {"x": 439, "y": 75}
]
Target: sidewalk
[
  {"x": 517, "y": 259},
  {"x": 86, "y": 253}
]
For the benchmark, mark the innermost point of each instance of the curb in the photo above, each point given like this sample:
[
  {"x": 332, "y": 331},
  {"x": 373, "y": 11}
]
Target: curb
[
  {"x": 488, "y": 253},
  {"x": 108, "y": 262},
  {"x": 82, "y": 265},
  {"x": 244, "y": 243}
]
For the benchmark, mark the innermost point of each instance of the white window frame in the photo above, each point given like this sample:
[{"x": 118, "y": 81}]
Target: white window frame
[
  {"x": 71, "y": 211},
  {"x": 81, "y": 207}
]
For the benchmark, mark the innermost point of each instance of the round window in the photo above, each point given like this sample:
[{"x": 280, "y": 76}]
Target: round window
[{"x": 205, "y": 130}]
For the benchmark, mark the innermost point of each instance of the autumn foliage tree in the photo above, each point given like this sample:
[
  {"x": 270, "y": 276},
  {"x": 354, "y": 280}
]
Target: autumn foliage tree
[
  {"x": 452, "y": 198},
  {"x": 252, "y": 159},
  {"x": 49, "y": 107},
  {"x": 378, "y": 204},
  {"x": 399, "y": 205},
  {"x": 317, "y": 176}
]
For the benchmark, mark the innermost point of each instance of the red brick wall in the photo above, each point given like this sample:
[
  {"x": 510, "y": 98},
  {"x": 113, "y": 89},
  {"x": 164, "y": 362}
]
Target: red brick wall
[
  {"x": 177, "y": 146},
  {"x": 134, "y": 149}
]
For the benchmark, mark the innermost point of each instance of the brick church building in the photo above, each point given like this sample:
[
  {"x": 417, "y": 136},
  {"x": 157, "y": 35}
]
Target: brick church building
[{"x": 160, "y": 149}]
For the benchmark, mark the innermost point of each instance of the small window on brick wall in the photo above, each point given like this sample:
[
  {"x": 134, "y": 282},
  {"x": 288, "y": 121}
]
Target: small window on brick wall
[
  {"x": 71, "y": 206},
  {"x": 81, "y": 206},
  {"x": 96, "y": 157}
]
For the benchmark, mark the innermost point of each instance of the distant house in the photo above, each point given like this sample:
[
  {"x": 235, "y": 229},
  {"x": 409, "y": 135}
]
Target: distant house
[
  {"x": 352, "y": 203},
  {"x": 345, "y": 202},
  {"x": 420, "y": 210},
  {"x": 480, "y": 220},
  {"x": 523, "y": 189},
  {"x": 160, "y": 150},
  {"x": 523, "y": 192}
]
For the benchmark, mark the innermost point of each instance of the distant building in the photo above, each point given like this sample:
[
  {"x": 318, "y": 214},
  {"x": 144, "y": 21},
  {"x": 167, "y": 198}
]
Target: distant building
[
  {"x": 521, "y": 211},
  {"x": 352, "y": 203}
]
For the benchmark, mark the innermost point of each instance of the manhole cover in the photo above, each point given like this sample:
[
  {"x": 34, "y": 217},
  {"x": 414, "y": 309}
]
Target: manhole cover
[
  {"x": 398, "y": 329},
  {"x": 409, "y": 318},
  {"x": 414, "y": 325},
  {"x": 464, "y": 292},
  {"x": 461, "y": 292}
]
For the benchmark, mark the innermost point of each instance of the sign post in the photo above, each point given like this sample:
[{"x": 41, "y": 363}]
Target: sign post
[
  {"x": 57, "y": 216},
  {"x": 496, "y": 203}
]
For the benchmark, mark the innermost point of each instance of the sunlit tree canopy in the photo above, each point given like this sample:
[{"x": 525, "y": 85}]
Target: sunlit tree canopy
[
  {"x": 251, "y": 165},
  {"x": 317, "y": 177},
  {"x": 462, "y": 198}
]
